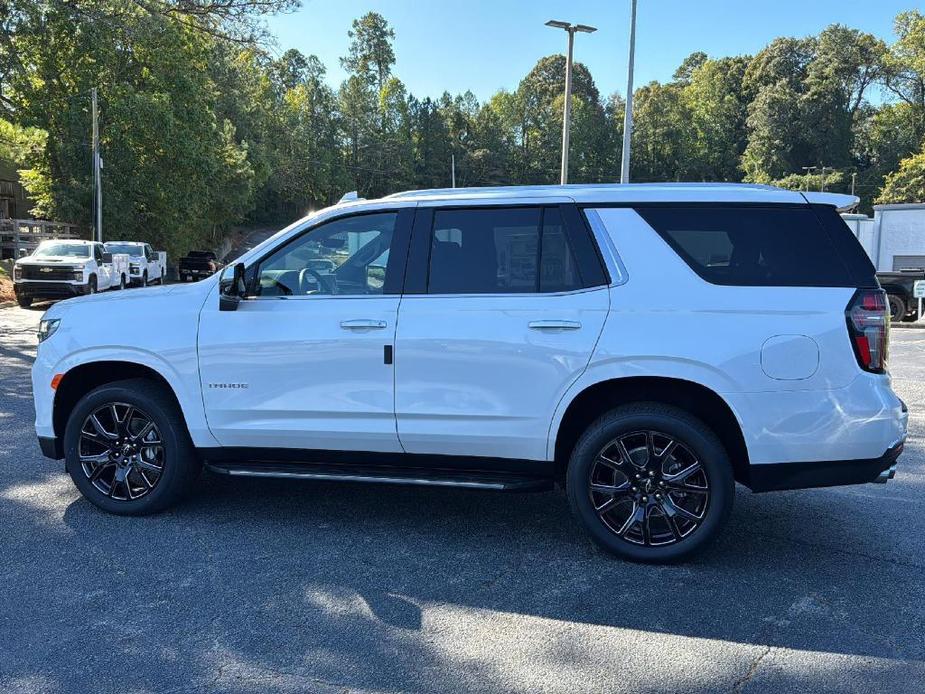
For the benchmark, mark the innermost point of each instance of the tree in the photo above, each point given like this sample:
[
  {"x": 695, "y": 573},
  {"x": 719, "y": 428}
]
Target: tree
[
  {"x": 905, "y": 67},
  {"x": 370, "y": 54},
  {"x": 907, "y": 184}
]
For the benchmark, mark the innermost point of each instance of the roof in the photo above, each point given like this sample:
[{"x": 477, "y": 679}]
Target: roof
[
  {"x": 900, "y": 206},
  {"x": 635, "y": 193}
]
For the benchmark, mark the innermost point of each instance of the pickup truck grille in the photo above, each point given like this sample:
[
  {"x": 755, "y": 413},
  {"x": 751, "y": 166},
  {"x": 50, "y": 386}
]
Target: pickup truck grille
[{"x": 46, "y": 272}]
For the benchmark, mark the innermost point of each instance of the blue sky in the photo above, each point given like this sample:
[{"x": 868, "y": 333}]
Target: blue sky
[{"x": 486, "y": 45}]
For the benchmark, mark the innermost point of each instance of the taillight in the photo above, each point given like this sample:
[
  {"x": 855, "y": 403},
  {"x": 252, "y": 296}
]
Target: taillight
[{"x": 869, "y": 328}]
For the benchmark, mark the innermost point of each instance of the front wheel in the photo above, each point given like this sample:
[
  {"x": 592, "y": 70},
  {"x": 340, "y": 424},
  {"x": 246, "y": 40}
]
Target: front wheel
[
  {"x": 127, "y": 448},
  {"x": 650, "y": 483},
  {"x": 92, "y": 285},
  {"x": 24, "y": 301}
]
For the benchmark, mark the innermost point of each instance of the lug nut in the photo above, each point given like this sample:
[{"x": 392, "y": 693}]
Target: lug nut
[{"x": 645, "y": 499}]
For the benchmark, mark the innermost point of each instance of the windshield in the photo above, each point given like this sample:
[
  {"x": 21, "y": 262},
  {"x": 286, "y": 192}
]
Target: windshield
[
  {"x": 127, "y": 248},
  {"x": 72, "y": 250}
]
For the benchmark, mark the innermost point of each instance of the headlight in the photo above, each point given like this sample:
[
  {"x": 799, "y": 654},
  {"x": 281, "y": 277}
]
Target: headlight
[
  {"x": 47, "y": 328},
  {"x": 17, "y": 273},
  {"x": 78, "y": 274}
]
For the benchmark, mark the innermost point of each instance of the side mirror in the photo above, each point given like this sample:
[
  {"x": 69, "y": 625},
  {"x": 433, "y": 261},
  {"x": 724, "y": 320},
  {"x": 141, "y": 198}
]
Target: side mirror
[
  {"x": 107, "y": 257},
  {"x": 231, "y": 289}
]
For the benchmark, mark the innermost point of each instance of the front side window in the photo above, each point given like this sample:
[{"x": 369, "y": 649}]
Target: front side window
[
  {"x": 500, "y": 251},
  {"x": 346, "y": 256}
]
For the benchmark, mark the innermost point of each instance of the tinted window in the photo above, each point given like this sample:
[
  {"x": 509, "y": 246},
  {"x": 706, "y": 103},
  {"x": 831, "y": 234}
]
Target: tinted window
[
  {"x": 498, "y": 251},
  {"x": 752, "y": 246},
  {"x": 847, "y": 245},
  {"x": 346, "y": 256},
  {"x": 558, "y": 269}
]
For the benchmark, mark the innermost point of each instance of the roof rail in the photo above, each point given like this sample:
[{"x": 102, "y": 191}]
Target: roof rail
[{"x": 352, "y": 196}]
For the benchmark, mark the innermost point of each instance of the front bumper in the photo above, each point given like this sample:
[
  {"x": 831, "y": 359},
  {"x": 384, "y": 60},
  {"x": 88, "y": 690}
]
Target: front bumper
[
  {"x": 770, "y": 477},
  {"x": 51, "y": 447},
  {"x": 49, "y": 290}
]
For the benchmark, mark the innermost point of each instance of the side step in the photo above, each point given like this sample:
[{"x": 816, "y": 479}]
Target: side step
[{"x": 424, "y": 477}]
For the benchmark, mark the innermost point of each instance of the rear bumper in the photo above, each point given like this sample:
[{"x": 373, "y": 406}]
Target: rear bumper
[
  {"x": 770, "y": 477},
  {"x": 49, "y": 290},
  {"x": 188, "y": 275}
]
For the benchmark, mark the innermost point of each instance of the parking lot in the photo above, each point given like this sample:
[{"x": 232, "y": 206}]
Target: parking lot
[{"x": 265, "y": 585}]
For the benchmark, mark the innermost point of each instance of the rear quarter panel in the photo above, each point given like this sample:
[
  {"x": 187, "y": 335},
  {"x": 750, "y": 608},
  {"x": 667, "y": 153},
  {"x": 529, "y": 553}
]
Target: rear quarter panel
[{"x": 780, "y": 357}]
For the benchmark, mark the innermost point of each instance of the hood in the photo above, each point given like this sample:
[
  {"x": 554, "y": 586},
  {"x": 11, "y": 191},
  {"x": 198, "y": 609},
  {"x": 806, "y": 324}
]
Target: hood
[
  {"x": 53, "y": 260},
  {"x": 194, "y": 292}
]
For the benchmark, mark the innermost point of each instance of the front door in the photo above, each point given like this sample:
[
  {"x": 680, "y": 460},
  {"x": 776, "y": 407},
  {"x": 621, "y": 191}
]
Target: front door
[
  {"x": 306, "y": 362},
  {"x": 491, "y": 334}
]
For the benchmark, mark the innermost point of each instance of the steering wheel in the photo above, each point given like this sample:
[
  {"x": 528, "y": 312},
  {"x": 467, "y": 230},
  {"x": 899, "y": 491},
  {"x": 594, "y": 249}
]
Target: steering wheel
[{"x": 319, "y": 281}]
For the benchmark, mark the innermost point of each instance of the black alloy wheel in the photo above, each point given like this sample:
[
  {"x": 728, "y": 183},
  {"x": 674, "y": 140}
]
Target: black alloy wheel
[
  {"x": 649, "y": 488},
  {"x": 650, "y": 482},
  {"x": 127, "y": 448},
  {"x": 121, "y": 451}
]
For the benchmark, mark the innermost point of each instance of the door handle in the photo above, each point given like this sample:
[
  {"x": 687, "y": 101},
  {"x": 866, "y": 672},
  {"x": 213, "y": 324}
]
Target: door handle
[
  {"x": 362, "y": 324},
  {"x": 554, "y": 325}
]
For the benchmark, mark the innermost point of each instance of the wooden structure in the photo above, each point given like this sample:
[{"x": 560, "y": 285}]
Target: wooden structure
[{"x": 19, "y": 237}]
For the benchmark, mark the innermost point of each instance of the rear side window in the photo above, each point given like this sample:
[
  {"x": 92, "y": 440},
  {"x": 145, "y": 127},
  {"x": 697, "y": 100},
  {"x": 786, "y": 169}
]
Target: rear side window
[
  {"x": 500, "y": 251},
  {"x": 753, "y": 246}
]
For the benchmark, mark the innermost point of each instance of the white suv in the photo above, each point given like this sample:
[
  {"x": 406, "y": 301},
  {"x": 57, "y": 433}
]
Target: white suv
[{"x": 644, "y": 345}]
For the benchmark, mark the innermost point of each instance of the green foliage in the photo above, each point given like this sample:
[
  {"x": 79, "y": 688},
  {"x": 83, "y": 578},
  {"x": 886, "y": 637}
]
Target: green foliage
[
  {"x": 907, "y": 184},
  {"x": 202, "y": 129}
]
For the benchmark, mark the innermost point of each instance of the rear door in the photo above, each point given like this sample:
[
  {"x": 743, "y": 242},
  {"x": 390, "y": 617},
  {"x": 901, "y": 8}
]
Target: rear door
[{"x": 502, "y": 308}]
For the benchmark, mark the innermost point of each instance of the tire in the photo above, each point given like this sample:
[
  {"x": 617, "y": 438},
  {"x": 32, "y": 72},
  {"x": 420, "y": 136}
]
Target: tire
[
  {"x": 897, "y": 307},
  {"x": 141, "y": 480},
  {"x": 121, "y": 283},
  {"x": 144, "y": 279},
  {"x": 92, "y": 285},
  {"x": 24, "y": 301},
  {"x": 661, "y": 502}
]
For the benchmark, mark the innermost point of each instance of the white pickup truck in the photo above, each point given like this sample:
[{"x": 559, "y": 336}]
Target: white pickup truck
[
  {"x": 146, "y": 266},
  {"x": 66, "y": 268}
]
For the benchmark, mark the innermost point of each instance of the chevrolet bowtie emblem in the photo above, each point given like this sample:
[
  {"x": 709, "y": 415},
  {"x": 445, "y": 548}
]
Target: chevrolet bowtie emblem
[{"x": 46, "y": 269}]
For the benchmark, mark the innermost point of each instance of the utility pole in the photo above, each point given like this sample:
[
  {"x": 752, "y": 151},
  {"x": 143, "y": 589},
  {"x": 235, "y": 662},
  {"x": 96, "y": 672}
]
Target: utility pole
[
  {"x": 567, "y": 109},
  {"x": 453, "y": 168},
  {"x": 97, "y": 179},
  {"x": 628, "y": 115},
  {"x": 822, "y": 180},
  {"x": 854, "y": 178}
]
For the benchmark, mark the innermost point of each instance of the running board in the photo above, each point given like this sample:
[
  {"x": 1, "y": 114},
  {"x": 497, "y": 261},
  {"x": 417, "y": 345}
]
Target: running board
[{"x": 387, "y": 475}]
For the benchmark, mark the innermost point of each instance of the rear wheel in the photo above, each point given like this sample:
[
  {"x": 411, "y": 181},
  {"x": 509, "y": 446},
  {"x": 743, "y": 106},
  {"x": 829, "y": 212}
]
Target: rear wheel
[
  {"x": 650, "y": 483},
  {"x": 897, "y": 307},
  {"x": 127, "y": 448}
]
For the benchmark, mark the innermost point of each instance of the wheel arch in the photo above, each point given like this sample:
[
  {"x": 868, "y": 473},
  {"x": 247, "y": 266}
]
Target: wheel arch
[
  {"x": 701, "y": 401},
  {"x": 81, "y": 379}
]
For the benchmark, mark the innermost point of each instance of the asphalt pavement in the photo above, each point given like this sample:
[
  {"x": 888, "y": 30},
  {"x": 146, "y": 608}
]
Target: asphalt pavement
[{"x": 321, "y": 587}]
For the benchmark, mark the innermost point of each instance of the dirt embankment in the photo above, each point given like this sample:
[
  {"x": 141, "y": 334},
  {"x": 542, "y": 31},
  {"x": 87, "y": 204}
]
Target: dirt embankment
[{"x": 6, "y": 287}]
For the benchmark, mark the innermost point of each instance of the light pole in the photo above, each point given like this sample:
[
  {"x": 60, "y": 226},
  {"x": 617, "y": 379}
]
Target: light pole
[
  {"x": 567, "y": 110},
  {"x": 628, "y": 114},
  {"x": 808, "y": 170}
]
